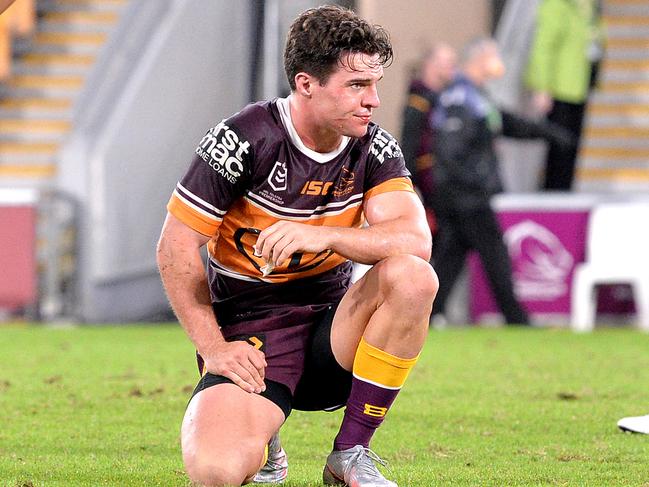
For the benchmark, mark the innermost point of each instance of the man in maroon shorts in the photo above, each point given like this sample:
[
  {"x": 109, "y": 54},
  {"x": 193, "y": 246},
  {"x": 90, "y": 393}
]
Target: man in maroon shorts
[{"x": 279, "y": 193}]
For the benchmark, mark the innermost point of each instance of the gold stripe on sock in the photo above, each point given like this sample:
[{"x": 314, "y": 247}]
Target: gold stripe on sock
[{"x": 381, "y": 368}]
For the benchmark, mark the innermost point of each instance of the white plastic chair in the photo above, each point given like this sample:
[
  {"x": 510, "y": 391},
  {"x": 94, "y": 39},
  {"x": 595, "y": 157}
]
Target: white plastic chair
[{"x": 617, "y": 251}]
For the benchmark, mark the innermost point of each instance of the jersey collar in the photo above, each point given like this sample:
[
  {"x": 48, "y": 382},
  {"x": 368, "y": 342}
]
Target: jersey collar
[{"x": 321, "y": 157}]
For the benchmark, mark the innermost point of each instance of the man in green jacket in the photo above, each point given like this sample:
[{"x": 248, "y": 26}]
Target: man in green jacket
[{"x": 565, "y": 54}]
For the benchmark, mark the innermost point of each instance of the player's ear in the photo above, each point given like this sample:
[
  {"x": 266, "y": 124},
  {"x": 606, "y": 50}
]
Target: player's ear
[{"x": 304, "y": 84}]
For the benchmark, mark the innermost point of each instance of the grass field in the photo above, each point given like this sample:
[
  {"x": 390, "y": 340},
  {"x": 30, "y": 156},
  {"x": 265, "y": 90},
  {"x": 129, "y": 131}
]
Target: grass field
[{"x": 503, "y": 407}]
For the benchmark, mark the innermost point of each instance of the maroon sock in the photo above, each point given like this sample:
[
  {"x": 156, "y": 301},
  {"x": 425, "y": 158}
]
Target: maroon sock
[
  {"x": 366, "y": 408},
  {"x": 377, "y": 378}
]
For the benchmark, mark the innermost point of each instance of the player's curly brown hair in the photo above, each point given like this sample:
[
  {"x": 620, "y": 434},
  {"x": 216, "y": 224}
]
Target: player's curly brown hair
[{"x": 319, "y": 39}]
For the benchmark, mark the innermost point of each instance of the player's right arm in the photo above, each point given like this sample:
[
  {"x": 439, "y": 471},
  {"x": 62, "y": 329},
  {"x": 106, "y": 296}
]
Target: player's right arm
[{"x": 183, "y": 276}]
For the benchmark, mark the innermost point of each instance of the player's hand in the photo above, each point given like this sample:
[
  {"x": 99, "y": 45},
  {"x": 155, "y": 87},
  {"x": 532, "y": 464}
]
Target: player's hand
[
  {"x": 240, "y": 362},
  {"x": 542, "y": 102},
  {"x": 282, "y": 239}
]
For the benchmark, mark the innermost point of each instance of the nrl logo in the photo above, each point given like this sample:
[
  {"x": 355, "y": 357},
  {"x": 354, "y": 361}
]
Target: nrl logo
[{"x": 278, "y": 177}]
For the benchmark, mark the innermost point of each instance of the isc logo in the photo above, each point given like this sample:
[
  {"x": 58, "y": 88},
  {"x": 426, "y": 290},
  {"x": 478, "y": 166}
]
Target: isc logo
[{"x": 316, "y": 188}]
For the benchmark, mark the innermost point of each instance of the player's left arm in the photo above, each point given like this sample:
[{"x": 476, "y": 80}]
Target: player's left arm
[{"x": 396, "y": 225}]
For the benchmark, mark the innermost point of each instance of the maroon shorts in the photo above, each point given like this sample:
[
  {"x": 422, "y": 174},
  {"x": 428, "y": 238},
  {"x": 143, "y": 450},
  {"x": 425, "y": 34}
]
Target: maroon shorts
[{"x": 302, "y": 372}]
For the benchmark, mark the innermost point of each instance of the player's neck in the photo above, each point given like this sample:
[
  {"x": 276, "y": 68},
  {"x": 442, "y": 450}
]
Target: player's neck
[{"x": 314, "y": 136}]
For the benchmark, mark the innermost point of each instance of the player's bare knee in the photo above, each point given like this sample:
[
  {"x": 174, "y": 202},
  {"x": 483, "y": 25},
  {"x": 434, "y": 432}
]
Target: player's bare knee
[
  {"x": 210, "y": 471},
  {"x": 408, "y": 280}
]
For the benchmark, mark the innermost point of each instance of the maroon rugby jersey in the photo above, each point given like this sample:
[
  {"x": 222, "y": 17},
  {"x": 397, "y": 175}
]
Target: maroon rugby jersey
[{"x": 252, "y": 170}]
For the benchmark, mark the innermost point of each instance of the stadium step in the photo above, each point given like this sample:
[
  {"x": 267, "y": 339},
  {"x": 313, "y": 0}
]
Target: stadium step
[
  {"x": 54, "y": 63},
  {"x": 37, "y": 101},
  {"x": 88, "y": 5},
  {"x": 618, "y": 132},
  {"x": 68, "y": 42},
  {"x": 82, "y": 22},
  {"x": 83, "y": 17},
  {"x": 629, "y": 87},
  {"x": 619, "y": 108},
  {"x": 29, "y": 129},
  {"x": 14, "y": 150},
  {"x": 42, "y": 85},
  {"x": 22, "y": 125},
  {"x": 67, "y": 59},
  {"x": 627, "y": 48},
  {"x": 28, "y": 158},
  {"x": 49, "y": 107},
  {"x": 639, "y": 154},
  {"x": 45, "y": 81},
  {"x": 610, "y": 179},
  {"x": 615, "y": 149},
  {"x": 627, "y": 43},
  {"x": 26, "y": 174},
  {"x": 623, "y": 98}
]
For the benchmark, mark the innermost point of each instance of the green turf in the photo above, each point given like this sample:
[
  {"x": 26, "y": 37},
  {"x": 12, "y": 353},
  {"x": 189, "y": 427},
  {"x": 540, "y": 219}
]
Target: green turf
[{"x": 102, "y": 406}]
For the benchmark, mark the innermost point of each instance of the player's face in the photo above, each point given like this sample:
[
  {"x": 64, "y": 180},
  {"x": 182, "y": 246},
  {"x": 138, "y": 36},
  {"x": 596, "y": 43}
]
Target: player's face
[
  {"x": 446, "y": 64},
  {"x": 439, "y": 70},
  {"x": 345, "y": 103}
]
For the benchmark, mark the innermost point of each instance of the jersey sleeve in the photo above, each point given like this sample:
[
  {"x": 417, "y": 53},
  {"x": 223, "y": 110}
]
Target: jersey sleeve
[
  {"x": 386, "y": 168},
  {"x": 216, "y": 177}
]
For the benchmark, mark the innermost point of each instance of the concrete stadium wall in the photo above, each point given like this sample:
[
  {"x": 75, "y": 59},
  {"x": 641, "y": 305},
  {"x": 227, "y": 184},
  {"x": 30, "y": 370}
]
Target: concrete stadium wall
[{"x": 172, "y": 71}]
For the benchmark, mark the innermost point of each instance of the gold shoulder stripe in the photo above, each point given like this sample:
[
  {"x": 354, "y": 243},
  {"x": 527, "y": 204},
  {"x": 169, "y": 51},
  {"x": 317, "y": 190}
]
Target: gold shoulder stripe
[
  {"x": 192, "y": 218},
  {"x": 396, "y": 184}
]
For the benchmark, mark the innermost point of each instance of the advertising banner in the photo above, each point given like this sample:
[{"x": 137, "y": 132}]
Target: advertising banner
[{"x": 545, "y": 245}]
